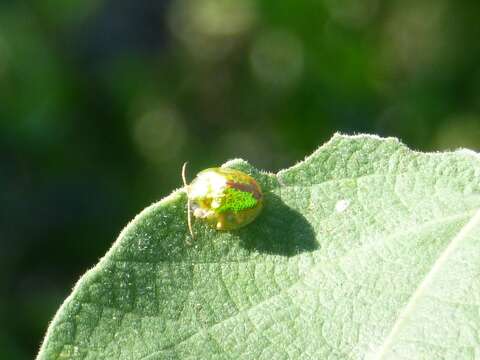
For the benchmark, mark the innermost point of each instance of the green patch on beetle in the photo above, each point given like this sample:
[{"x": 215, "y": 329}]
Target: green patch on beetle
[
  {"x": 237, "y": 200},
  {"x": 227, "y": 199}
]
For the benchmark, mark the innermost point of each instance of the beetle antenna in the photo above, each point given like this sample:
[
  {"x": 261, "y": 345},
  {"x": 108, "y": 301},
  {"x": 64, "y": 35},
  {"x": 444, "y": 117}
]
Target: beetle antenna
[{"x": 189, "y": 207}]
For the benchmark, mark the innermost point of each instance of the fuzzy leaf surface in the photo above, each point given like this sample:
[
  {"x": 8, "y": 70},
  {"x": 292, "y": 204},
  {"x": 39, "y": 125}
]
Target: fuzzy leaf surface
[{"x": 365, "y": 250}]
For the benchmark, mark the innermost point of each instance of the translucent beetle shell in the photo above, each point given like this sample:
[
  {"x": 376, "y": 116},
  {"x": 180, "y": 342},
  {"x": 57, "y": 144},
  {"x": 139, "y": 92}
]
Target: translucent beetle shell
[{"x": 227, "y": 199}]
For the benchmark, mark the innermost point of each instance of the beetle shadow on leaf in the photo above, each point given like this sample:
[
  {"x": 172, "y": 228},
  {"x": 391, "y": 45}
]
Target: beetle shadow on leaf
[{"x": 279, "y": 230}]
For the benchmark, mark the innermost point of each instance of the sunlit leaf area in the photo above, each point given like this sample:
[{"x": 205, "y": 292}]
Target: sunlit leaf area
[
  {"x": 101, "y": 102},
  {"x": 366, "y": 250}
]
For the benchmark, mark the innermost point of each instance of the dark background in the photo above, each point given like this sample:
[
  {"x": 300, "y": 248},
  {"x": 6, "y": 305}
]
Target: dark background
[{"x": 102, "y": 101}]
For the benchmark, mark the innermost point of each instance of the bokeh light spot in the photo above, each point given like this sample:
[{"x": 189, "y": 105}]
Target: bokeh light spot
[
  {"x": 159, "y": 134},
  {"x": 277, "y": 58},
  {"x": 209, "y": 28},
  {"x": 416, "y": 37},
  {"x": 459, "y": 131},
  {"x": 352, "y": 13}
]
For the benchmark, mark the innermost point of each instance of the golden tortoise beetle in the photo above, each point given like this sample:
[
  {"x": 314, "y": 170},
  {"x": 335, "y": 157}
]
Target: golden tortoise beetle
[{"x": 225, "y": 198}]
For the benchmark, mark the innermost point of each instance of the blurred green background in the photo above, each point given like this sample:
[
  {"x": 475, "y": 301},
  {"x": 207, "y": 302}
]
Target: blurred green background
[{"x": 102, "y": 101}]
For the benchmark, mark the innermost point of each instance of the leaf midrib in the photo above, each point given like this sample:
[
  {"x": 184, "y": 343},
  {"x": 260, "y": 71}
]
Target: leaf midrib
[{"x": 424, "y": 284}]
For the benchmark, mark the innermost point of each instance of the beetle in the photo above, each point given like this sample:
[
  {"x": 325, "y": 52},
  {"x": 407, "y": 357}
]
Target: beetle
[{"x": 225, "y": 198}]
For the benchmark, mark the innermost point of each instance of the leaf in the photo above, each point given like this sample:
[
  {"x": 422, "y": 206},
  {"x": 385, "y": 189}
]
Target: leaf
[{"x": 366, "y": 250}]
